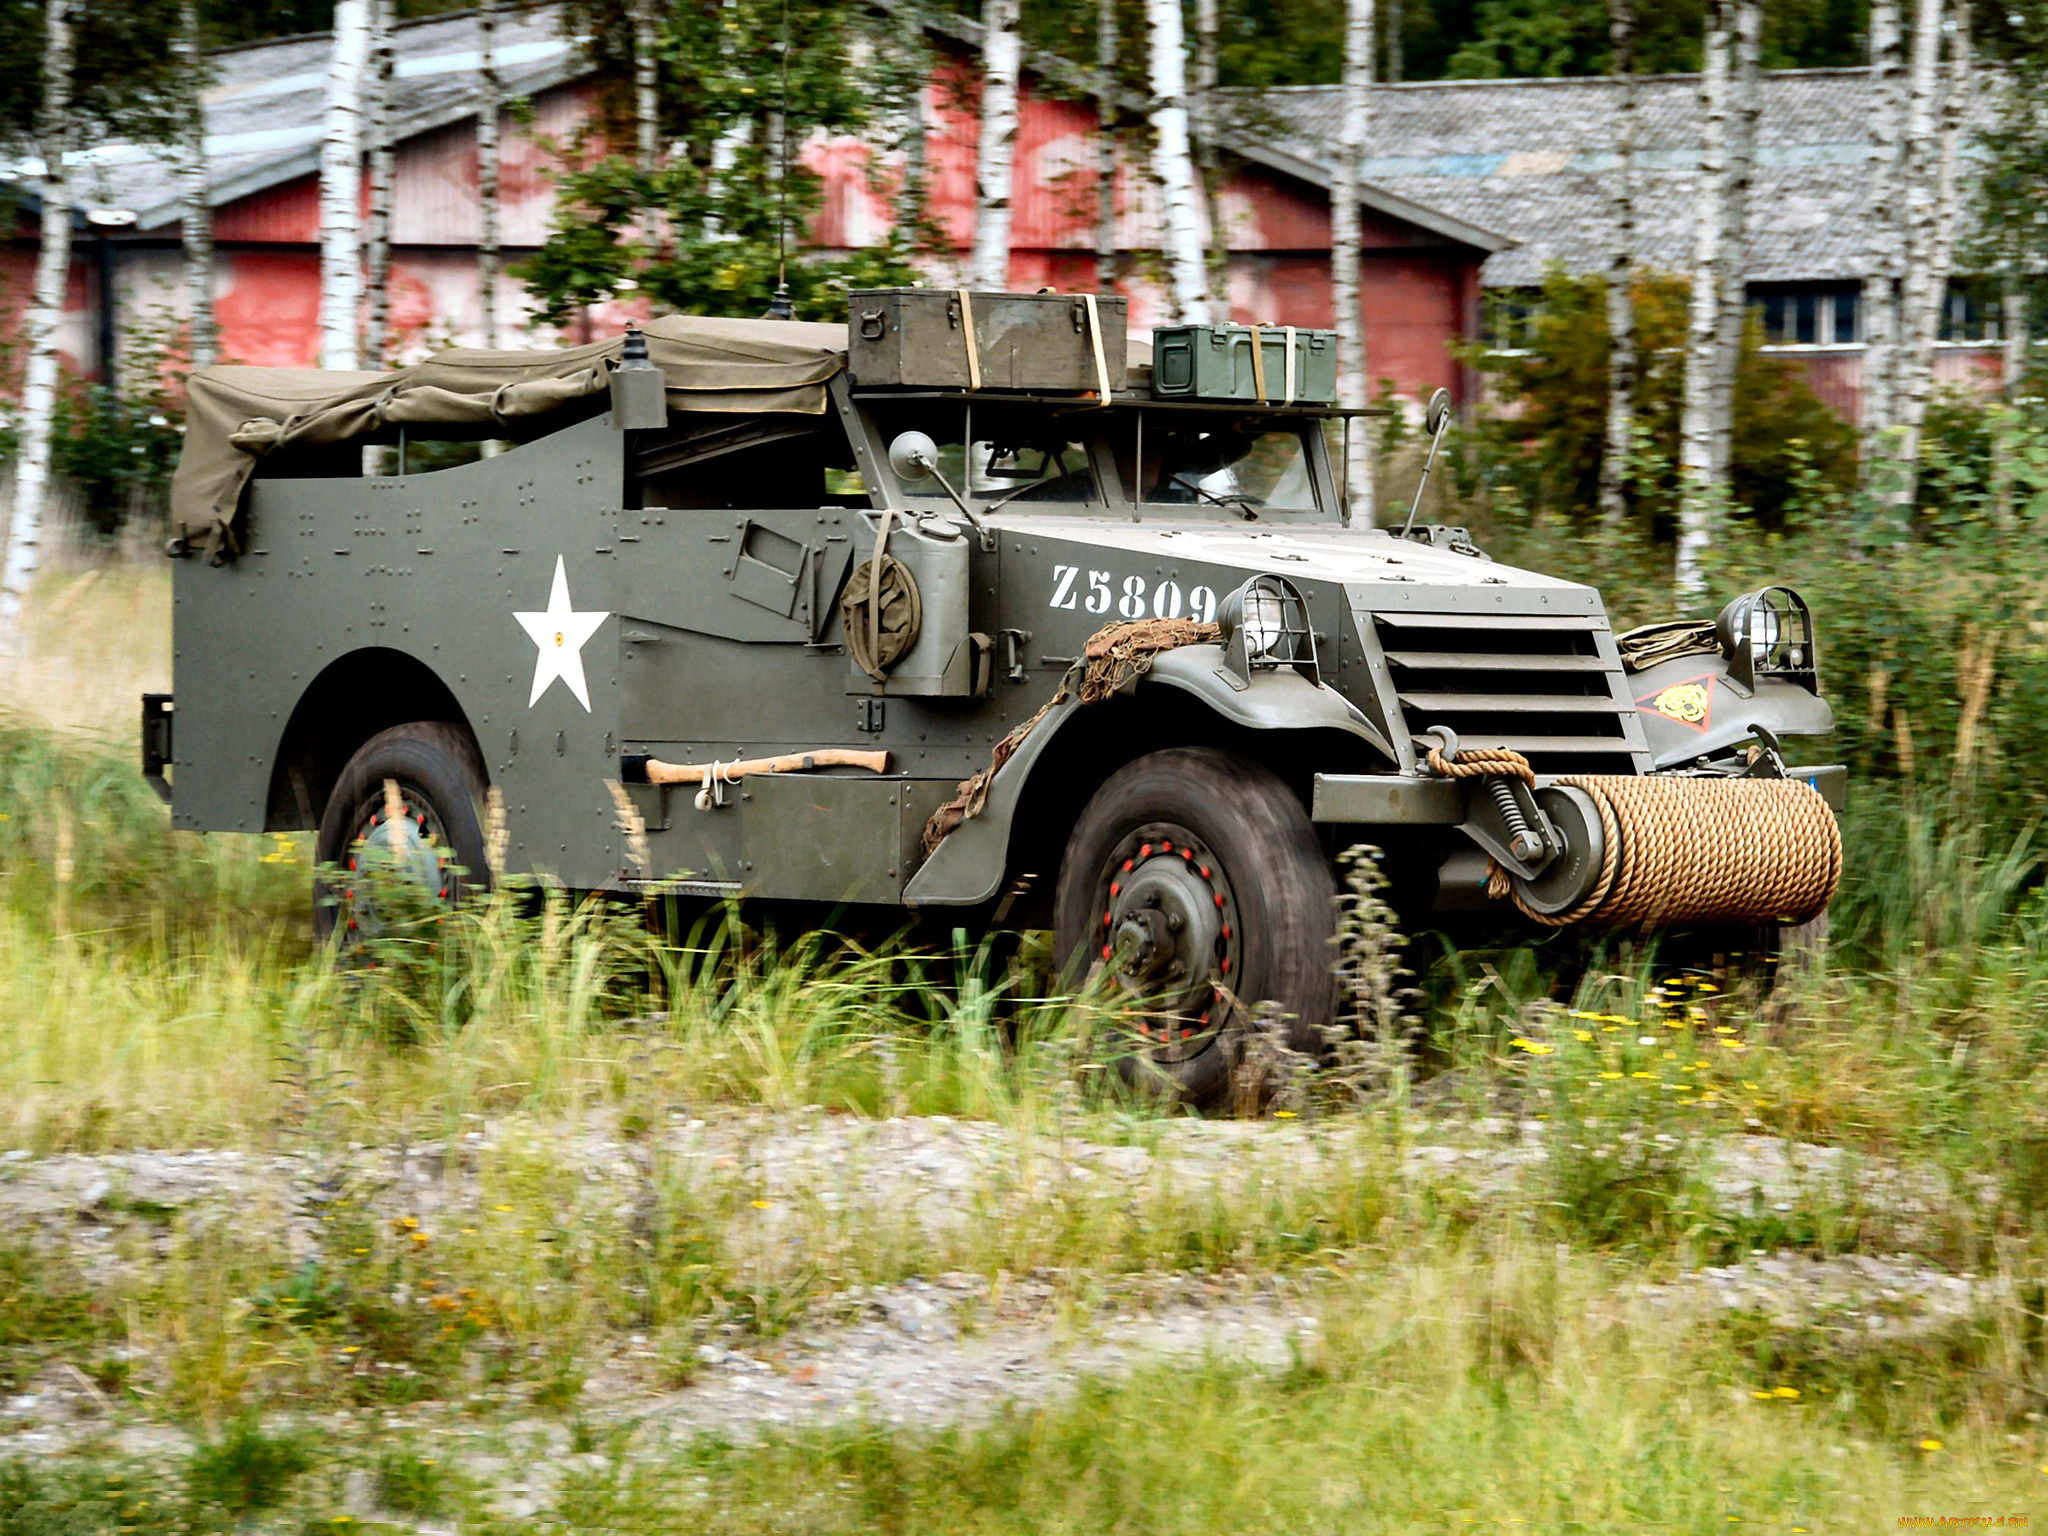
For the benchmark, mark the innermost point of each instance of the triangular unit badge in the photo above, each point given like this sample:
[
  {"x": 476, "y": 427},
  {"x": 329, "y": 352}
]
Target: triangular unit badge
[{"x": 1690, "y": 703}]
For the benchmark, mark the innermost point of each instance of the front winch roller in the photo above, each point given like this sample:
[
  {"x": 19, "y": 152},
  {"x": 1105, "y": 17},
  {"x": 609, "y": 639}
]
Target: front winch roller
[
  {"x": 1656, "y": 851},
  {"x": 1683, "y": 852}
]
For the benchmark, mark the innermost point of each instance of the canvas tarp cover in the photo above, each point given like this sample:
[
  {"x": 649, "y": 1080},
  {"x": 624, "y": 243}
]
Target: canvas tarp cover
[{"x": 235, "y": 415}]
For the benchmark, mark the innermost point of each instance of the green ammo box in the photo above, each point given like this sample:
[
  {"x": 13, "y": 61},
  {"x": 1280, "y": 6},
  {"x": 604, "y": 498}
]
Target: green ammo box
[
  {"x": 949, "y": 338},
  {"x": 1274, "y": 364}
]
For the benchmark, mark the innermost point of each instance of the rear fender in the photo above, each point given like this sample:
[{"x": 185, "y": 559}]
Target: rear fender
[
  {"x": 968, "y": 868},
  {"x": 1690, "y": 708}
]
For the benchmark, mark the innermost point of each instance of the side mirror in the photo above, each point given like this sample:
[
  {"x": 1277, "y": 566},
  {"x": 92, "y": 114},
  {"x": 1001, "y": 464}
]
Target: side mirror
[
  {"x": 1437, "y": 412},
  {"x": 913, "y": 456}
]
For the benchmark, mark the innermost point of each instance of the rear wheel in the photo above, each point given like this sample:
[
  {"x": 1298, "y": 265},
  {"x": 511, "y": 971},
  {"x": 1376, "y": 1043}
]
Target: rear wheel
[
  {"x": 434, "y": 843},
  {"x": 1195, "y": 882}
]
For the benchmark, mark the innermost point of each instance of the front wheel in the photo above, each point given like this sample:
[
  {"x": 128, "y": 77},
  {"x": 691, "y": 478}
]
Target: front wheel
[
  {"x": 1194, "y": 881},
  {"x": 432, "y": 776}
]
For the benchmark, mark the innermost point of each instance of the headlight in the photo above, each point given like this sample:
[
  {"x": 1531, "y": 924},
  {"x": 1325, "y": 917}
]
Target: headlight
[
  {"x": 1264, "y": 620},
  {"x": 1769, "y": 630}
]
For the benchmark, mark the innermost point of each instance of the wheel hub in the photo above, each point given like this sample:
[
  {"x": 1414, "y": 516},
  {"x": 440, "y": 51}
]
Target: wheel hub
[
  {"x": 410, "y": 848},
  {"x": 1169, "y": 936}
]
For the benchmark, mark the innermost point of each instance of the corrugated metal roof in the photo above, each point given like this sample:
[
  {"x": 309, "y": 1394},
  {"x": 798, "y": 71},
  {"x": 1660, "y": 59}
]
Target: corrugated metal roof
[
  {"x": 264, "y": 109},
  {"x": 1528, "y": 158}
]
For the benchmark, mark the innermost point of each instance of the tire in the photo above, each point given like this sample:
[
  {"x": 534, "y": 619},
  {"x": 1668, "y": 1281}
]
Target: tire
[
  {"x": 440, "y": 778},
  {"x": 1219, "y": 844}
]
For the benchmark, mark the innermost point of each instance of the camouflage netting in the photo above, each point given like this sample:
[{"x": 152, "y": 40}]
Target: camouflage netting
[{"x": 1112, "y": 660}]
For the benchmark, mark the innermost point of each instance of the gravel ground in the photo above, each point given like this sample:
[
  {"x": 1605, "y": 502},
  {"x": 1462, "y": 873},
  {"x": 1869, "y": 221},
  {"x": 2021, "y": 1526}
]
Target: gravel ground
[{"x": 924, "y": 1352}]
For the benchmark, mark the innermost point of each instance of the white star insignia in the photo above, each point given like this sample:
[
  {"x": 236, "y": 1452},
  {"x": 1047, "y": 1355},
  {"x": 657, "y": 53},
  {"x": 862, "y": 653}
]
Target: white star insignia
[{"x": 560, "y": 633}]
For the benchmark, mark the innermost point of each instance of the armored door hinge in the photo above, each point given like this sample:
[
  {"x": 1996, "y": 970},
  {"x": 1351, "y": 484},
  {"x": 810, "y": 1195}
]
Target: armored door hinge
[{"x": 867, "y": 715}]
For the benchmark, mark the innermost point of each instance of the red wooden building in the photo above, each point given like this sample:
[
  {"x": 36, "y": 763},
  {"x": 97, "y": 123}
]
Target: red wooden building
[{"x": 1422, "y": 271}]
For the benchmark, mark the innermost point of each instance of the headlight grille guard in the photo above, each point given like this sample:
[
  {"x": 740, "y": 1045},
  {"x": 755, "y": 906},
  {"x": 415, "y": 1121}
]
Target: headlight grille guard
[
  {"x": 1278, "y": 603},
  {"x": 1769, "y": 633}
]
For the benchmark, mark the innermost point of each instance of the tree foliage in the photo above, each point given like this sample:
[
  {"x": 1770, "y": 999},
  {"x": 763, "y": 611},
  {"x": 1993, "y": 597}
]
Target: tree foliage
[
  {"x": 2009, "y": 234},
  {"x": 1544, "y": 438},
  {"x": 700, "y": 232}
]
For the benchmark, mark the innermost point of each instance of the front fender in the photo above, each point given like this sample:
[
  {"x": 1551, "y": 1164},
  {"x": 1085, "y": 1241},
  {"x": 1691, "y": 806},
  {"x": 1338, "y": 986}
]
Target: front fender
[
  {"x": 1689, "y": 708},
  {"x": 968, "y": 867}
]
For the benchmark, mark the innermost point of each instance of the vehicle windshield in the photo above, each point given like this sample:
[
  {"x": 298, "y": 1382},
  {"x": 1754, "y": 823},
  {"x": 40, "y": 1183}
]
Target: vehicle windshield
[{"x": 1193, "y": 463}]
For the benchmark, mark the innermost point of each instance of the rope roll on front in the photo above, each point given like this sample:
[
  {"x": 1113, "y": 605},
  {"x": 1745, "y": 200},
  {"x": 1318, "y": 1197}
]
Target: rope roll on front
[{"x": 1685, "y": 851}]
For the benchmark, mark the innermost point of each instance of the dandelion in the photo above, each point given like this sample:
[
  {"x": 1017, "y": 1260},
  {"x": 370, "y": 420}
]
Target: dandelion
[
  {"x": 761, "y": 1205},
  {"x": 1790, "y": 1394},
  {"x": 1283, "y": 1114},
  {"x": 1533, "y": 1047},
  {"x": 1611, "y": 1076},
  {"x": 1930, "y": 1445},
  {"x": 1648, "y": 1077},
  {"x": 1733, "y": 1045},
  {"x": 504, "y": 1207},
  {"x": 1582, "y": 1034}
]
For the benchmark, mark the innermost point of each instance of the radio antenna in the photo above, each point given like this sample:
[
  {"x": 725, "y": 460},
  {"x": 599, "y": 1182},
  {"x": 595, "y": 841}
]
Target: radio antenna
[{"x": 780, "y": 306}]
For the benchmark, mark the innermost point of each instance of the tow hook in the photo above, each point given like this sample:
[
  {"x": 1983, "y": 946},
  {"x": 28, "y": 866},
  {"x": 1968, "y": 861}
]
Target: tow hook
[{"x": 1503, "y": 817}]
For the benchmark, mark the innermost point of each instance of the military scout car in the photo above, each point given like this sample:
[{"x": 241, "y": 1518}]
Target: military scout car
[{"x": 956, "y": 611}]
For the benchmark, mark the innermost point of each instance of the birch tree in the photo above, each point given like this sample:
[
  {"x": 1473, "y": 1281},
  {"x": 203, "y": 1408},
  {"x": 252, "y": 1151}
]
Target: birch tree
[
  {"x": 1396, "y": 44},
  {"x": 646, "y": 86},
  {"x": 1105, "y": 145},
  {"x": 341, "y": 186},
  {"x": 1745, "y": 107},
  {"x": 1208, "y": 162},
  {"x": 1621, "y": 273},
  {"x": 377, "y": 123},
  {"x": 489, "y": 104},
  {"x": 1881, "y": 284},
  {"x": 195, "y": 209},
  {"x": 1698, "y": 489},
  {"x": 1173, "y": 164},
  {"x": 1346, "y": 237},
  {"x": 54, "y": 132},
  {"x": 996, "y": 149},
  {"x": 1930, "y": 224}
]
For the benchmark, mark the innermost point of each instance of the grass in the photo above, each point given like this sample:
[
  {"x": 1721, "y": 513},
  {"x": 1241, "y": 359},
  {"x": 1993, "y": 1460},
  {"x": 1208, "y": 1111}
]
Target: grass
[{"x": 1490, "y": 1347}]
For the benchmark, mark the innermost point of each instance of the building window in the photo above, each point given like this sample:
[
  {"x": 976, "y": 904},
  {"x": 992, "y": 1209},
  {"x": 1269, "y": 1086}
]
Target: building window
[
  {"x": 1817, "y": 316},
  {"x": 1971, "y": 313},
  {"x": 1510, "y": 319}
]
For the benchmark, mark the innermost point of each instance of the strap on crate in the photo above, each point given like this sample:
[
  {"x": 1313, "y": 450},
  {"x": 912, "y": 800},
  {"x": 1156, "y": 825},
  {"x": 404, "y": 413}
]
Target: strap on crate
[
  {"x": 1258, "y": 364},
  {"x": 1095, "y": 342},
  {"x": 1288, "y": 398},
  {"x": 967, "y": 330}
]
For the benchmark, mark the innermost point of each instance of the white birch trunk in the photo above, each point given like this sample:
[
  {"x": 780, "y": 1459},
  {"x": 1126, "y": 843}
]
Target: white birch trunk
[
  {"x": 1880, "y": 310},
  {"x": 646, "y": 86},
  {"x": 1697, "y": 488},
  {"x": 377, "y": 122},
  {"x": 1105, "y": 145},
  {"x": 39, "y": 327},
  {"x": 996, "y": 149},
  {"x": 1396, "y": 45},
  {"x": 1935, "y": 204},
  {"x": 1208, "y": 162},
  {"x": 341, "y": 187},
  {"x": 195, "y": 211},
  {"x": 1173, "y": 165},
  {"x": 725, "y": 149},
  {"x": 1621, "y": 274},
  {"x": 1745, "y": 105},
  {"x": 2014, "y": 330},
  {"x": 490, "y": 102},
  {"x": 1345, "y": 239}
]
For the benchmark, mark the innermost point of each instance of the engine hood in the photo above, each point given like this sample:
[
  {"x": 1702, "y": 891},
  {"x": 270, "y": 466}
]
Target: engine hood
[{"x": 1360, "y": 558}]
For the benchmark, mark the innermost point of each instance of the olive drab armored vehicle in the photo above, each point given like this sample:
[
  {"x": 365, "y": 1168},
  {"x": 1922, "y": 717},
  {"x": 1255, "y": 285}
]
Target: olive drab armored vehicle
[{"x": 970, "y": 608}]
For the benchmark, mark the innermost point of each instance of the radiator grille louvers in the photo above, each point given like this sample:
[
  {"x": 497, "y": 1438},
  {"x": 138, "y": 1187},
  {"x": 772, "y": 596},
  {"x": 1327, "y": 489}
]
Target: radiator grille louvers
[{"x": 1547, "y": 685}]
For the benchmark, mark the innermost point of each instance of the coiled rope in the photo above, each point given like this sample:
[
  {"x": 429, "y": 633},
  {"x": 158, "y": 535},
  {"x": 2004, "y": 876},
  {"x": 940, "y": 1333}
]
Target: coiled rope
[{"x": 1680, "y": 851}]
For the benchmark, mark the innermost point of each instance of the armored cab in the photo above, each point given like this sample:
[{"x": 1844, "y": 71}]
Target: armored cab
[{"x": 955, "y": 610}]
